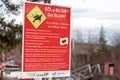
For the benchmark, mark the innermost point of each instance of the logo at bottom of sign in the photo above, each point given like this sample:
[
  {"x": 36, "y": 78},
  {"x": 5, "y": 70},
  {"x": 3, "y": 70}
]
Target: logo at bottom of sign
[{"x": 38, "y": 74}]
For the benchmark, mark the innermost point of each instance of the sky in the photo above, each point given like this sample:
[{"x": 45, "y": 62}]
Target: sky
[{"x": 92, "y": 14}]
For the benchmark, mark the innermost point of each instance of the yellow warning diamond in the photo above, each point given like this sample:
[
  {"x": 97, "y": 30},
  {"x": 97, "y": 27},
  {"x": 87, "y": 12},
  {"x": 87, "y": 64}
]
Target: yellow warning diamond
[{"x": 36, "y": 16}]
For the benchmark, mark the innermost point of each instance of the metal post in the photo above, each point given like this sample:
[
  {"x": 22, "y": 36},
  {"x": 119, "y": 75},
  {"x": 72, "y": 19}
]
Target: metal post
[
  {"x": 99, "y": 69},
  {"x": 89, "y": 67}
]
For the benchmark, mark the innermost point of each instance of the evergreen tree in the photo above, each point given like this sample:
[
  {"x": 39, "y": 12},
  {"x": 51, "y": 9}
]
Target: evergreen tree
[
  {"x": 102, "y": 54},
  {"x": 10, "y": 33},
  {"x": 102, "y": 40}
]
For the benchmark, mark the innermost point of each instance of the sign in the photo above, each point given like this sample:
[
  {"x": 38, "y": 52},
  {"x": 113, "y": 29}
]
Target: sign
[
  {"x": 46, "y": 42},
  {"x": 3, "y": 67},
  {"x": 36, "y": 16}
]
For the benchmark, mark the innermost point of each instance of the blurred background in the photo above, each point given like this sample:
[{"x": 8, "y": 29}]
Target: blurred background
[{"x": 95, "y": 38}]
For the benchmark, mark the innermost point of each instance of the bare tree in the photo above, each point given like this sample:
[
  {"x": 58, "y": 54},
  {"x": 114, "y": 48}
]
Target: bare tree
[
  {"x": 78, "y": 36},
  {"x": 116, "y": 39},
  {"x": 116, "y": 50},
  {"x": 116, "y": 44},
  {"x": 92, "y": 37}
]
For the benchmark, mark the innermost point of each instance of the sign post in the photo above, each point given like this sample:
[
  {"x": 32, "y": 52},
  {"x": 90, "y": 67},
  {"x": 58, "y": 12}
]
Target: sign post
[{"x": 46, "y": 42}]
